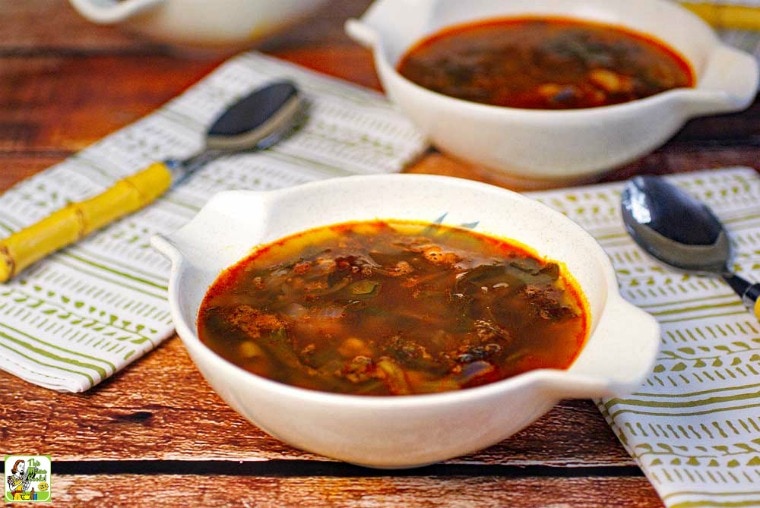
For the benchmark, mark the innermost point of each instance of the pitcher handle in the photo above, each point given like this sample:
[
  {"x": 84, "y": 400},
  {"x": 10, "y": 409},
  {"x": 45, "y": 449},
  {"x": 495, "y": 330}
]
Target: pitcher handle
[{"x": 107, "y": 12}]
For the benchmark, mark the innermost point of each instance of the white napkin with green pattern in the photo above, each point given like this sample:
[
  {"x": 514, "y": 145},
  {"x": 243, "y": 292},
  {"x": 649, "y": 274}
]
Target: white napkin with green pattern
[
  {"x": 694, "y": 426},
  {"x": 77, "y": 317}
]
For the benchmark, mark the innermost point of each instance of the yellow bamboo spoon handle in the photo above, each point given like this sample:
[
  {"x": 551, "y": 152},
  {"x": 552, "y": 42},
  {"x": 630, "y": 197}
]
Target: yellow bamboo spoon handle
[
  {"x": 77, "y": 220},
  {"x": 730, "y": 15}
]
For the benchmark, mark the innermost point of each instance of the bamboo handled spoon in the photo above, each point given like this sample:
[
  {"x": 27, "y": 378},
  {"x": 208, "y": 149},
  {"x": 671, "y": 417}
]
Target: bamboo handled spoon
[
  {"x": 682, "y": 232},
  {"x": 255, "y": 122}
]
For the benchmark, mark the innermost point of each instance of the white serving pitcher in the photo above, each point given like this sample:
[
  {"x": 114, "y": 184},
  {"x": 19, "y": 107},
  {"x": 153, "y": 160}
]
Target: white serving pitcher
[{"x": 217, "y": 24}]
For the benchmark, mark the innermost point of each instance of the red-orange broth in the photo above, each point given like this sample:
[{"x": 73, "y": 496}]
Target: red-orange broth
[
  {"x": 544, "y": 63},
  {"x": 393, "y": 308}
]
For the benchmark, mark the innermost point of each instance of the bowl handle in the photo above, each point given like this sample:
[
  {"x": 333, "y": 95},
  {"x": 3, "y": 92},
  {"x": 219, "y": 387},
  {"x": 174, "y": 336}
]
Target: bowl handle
[
  {"x": 111, "y": 11},
  {"x": 361, "y": 33},
  {"x": 730, "y": 81},
  {"x": 391, "y": 20},
  {"x": 625, "y": 359}
]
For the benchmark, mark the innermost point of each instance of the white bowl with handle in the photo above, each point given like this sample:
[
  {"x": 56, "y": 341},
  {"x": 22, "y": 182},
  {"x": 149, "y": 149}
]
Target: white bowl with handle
[
  {"x": 548, "y": 148},
  {"x": 410, "y": 430}
]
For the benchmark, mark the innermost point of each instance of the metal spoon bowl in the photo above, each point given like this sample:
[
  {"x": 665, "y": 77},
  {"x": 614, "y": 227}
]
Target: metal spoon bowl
[
  {"x": 682, "y": 232},
  {"x": 255, "y": 122}
]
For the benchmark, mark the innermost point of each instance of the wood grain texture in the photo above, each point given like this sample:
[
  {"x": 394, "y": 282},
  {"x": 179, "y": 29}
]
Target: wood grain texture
[
  {"x": 384, "y": 491},
  {"x": 156, "y": 433},
  {"x": 161, "y": 408}
]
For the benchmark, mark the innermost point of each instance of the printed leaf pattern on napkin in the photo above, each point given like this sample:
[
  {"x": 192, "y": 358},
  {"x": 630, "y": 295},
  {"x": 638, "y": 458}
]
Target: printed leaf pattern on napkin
[
  {"x": 81, "y": 315},
  {"x": 694, "y": 426}
]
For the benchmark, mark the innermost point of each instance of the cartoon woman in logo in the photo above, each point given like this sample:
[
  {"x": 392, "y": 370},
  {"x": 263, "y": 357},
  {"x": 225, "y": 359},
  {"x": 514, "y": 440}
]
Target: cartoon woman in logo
[{"x": 18, "y": 480}]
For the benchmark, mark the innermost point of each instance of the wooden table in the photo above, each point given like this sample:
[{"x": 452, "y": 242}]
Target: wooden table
[{"x": 156, "y": 433}]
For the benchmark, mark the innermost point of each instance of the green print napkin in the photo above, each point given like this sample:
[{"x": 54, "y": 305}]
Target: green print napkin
[
  {"x": 75, "y": 318},
  {"x": 694, "y": 425}
]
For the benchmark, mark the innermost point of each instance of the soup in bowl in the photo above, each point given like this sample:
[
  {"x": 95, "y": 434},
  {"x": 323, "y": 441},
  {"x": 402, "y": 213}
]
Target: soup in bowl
[
  {"x": 459, "y": 71},
  {"x": 393, "y": 308},
  {"x": 351, "y": 241}
]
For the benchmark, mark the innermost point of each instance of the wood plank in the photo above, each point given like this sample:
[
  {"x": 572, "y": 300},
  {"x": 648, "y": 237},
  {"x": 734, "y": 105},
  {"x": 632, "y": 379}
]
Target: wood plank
[
  {"x": 161, "y": 408},
  {"x": 383, "y": 491},
  {"x": 67, "y": 103},
  {"x": 72, "y": 92}
]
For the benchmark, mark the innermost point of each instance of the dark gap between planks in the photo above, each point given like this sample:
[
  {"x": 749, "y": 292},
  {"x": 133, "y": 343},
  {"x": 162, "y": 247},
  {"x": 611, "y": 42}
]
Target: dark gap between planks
[{"x": 297, "y": 468}]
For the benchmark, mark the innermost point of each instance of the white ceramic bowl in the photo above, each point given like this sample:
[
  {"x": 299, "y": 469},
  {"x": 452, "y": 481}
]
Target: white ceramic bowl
[
  {"x": 541, "y": 148},
  {"x": 405, "y": 431},
  {"x": 229, "y": 25}
]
